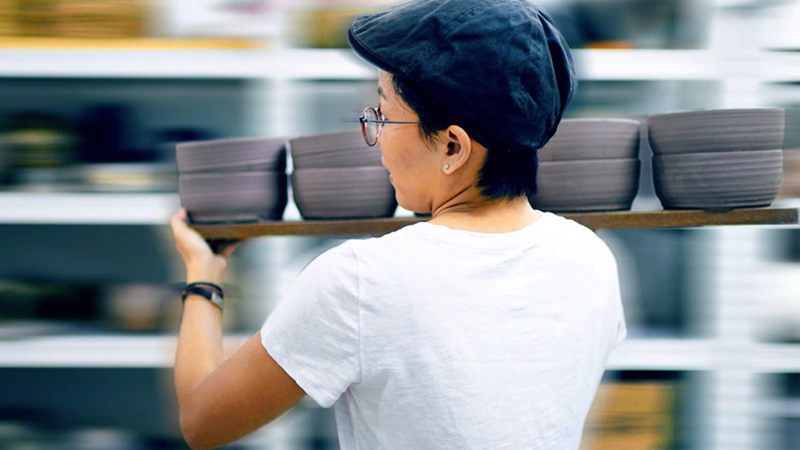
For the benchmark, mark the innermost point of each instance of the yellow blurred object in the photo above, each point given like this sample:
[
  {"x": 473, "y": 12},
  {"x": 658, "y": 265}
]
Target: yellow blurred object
[
  {"x": 8, "y": 25},
  {"x": 33, "y": 17},
  {"x": 611, "y": 45},
  {"x": 631, "y": 416},
  {"x": 326, "y": 27},
  {"x": 75, "y": 18},
  {"x": 790, "y": 183},
  {"x": 130, "y": 44},
  {"x": 102, "y": 18}
]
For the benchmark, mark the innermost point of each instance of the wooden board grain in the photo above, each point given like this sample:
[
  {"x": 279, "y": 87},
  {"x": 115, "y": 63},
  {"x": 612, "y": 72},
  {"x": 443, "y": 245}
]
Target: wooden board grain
[{"x": 595, "y": 221}]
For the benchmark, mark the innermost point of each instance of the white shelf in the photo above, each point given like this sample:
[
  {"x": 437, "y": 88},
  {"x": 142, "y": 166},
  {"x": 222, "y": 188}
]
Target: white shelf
[
  {"x": 108, "y": 351},
  {"x": 342, "y": 64},
  {"x": 704, "y": 355},
  {"x": 662, "y": 354},
  {"x": 633, "y": 65},
  {"x": 87, "y": 208},
  {"x": 96, "y": 351},
  {"x": 255, "y": 64}
]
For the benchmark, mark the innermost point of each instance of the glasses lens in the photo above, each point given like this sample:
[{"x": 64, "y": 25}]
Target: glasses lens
[{"x": 370, "y": 126}]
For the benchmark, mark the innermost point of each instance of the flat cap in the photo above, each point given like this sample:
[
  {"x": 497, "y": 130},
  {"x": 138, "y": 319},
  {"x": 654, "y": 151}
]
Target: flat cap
[{"x": 500, "y": 65}]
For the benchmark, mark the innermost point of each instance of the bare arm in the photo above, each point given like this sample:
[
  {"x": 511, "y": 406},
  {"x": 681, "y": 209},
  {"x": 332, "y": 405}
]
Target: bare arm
[{"x": 220, "y": 400}]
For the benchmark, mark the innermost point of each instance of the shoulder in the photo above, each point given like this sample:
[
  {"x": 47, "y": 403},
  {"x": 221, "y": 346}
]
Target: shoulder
[
  {"x": 401, "y": 241},
  {"x": 574, "y": 238}
]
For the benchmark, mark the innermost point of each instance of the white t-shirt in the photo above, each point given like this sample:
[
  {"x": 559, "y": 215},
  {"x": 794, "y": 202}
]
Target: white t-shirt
[{"x": 433, "y": 338}]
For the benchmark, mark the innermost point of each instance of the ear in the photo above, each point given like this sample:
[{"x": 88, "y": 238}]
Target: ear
[{"x": 458, "y": 149}]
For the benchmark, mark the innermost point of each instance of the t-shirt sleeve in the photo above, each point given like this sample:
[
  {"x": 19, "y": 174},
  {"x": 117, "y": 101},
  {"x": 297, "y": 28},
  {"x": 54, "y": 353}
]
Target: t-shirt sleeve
[
  {"x": 618, "y": 309},
  {"x": 313, "y": 333},
  {"x": 616, "y": 314}
]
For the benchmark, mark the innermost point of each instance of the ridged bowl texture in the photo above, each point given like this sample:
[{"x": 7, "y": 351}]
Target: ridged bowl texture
[
  {"x": 333, "y": 150},
  {"x": 719, "y": 180},
  {"x": 343, "y": 193},
  {"x": 721, "y": 130},
  {"x": 233, "y": 196},
  {"x": 228, "y": 155},
  {"x": 585, "y": 139},
  {"x": 588, "y": 185}
]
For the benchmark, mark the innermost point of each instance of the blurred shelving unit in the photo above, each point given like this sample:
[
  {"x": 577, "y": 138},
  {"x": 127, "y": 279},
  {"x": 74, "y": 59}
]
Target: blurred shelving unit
[
  {"x": 231, "y": 59},
  {"x": 87, "y": 208},
  {"x": 154, "y": 351},
  {"x": 732, "y": 356}
]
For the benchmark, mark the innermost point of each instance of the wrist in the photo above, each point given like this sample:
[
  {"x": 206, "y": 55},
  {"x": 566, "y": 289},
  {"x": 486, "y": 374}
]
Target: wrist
[
  {"x": 204, "y": 274},
  {"x": 209, "y": 291}
]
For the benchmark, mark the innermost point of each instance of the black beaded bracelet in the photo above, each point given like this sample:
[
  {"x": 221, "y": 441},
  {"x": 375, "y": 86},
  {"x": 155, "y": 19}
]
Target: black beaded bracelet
[{"x": 210, "y": 291}]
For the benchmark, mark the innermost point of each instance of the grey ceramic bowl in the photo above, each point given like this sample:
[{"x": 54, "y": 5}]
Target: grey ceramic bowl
[
  {"x": 333, "y": 150},
  {"x": 722, "y": 130},
  {"x": 233, "y": 196},
  {"x": 718, "y": 180},
  {"x": 227, "y": 155},
  {"x": 343, "y": 193},
  {"x": 594, "y": 185},
  {"x": 582, "y": 139}
]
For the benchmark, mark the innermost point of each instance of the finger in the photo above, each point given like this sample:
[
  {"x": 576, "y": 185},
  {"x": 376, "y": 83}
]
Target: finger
[
  {"x": 176, "y": 222},
  {"x": 229, "y": 249},
  {"x": 179, "y": 217}
]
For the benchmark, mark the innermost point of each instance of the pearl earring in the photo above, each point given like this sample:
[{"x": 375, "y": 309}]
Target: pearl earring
[{"x": 447, "y": 167}]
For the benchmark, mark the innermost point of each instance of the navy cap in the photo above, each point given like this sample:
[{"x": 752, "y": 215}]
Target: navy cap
[{"x": 500, "y": 65}]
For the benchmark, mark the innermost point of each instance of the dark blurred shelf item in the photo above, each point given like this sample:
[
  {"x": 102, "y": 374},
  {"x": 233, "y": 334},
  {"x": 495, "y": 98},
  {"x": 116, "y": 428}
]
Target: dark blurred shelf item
[
  {"x": 126, "y": 177},
  {"x": 612, "y": 220},
  {"x": 37, "y": 147},
  {"x": 634, "y": 23}
]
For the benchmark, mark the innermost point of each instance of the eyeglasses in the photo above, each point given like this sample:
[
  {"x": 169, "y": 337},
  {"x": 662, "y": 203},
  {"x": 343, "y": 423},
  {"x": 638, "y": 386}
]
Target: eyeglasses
[{"x": 372, "y": 121}]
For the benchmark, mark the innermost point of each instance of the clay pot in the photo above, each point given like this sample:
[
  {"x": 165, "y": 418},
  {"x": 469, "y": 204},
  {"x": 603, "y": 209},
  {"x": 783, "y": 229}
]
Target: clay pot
[
  {"x": 233, "y": 196},
  {"x": 584, "y": 139},
  {"x": 722, "y": 130},
  {"x": 343, "y": 193},
  {"x": 593, "y": 185},
  {"x": 718, "y": 180},
  {"x": 229, "y": 155},
  {"x": 333, "y": 150}
]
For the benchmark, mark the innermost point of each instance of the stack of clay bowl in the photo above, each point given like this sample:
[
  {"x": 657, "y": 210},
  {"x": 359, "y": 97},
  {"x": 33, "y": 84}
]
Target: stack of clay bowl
[
  {"x": 589, "y": 165},
  {"x": 717, "y": 159},
  {"x": 233, "y": 180},
  {"x": 338, "y": 176}
]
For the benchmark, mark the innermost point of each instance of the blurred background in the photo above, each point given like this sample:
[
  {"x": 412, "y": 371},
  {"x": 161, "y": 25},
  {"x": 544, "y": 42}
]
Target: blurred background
[{"x": 94, "y": 94}]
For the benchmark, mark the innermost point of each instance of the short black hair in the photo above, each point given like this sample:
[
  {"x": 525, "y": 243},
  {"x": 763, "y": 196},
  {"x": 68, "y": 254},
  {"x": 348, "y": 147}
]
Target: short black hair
[{"x": 507, "y": 173}]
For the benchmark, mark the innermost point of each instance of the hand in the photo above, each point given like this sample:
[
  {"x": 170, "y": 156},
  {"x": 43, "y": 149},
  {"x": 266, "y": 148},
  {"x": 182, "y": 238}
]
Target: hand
[{"x": 202, "y": 264}]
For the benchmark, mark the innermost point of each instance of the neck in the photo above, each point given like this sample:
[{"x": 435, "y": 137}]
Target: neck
[{"x": 475, "y": 213}]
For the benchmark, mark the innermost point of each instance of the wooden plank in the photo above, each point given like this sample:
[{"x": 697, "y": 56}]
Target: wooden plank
[
  {"x": 687, "y": 218},
  {"x": 611, "y": 220},
  {"x": 128, "y": 44}
]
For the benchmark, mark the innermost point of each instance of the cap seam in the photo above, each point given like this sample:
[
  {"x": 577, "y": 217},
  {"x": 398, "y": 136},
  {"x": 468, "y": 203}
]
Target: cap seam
[{"x": 380, "y": 62}]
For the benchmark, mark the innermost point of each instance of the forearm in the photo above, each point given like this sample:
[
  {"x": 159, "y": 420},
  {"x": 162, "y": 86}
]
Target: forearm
[{"x": 199, "y": 349}]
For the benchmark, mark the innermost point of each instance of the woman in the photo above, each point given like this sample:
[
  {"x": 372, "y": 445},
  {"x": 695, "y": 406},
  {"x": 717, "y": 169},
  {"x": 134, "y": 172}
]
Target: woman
[{"x": 488, "y": 326}]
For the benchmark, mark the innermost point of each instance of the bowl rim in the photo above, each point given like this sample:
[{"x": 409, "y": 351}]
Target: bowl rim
[
  {"x": 193, "y": 175},
  {"x": 720, "y": 155},
  {"x": 235, "y": 140},
  {"x": 713, "y": 112},
  {"x": 608, "y": 161}
]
